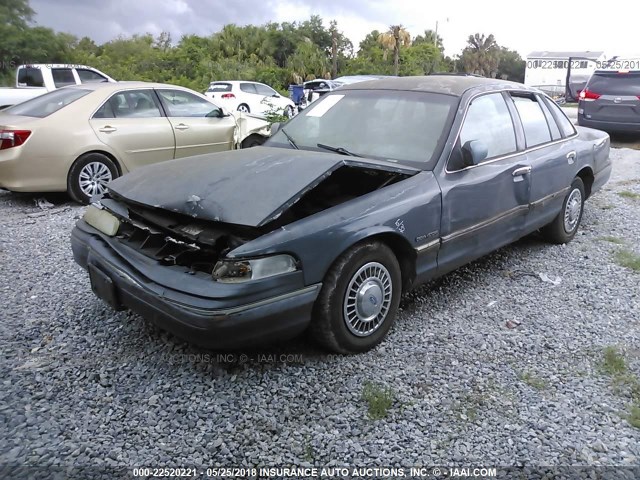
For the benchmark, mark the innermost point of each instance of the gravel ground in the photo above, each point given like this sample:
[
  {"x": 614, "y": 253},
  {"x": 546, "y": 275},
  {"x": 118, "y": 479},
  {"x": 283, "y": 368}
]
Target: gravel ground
[{"x": 487, "y": 365}]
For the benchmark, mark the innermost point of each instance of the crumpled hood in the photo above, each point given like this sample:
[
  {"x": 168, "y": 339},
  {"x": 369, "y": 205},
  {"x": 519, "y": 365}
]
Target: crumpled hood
[{"x": 245, "y": 187}]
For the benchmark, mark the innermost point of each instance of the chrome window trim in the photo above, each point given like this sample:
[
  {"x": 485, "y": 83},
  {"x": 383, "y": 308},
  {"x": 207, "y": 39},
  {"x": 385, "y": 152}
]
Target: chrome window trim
[{"x": 508, "y": 155}]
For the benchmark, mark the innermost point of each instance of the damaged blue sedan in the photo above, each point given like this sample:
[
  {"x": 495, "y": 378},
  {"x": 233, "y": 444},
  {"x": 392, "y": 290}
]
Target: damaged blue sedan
[{"x": 376, "y": 188}]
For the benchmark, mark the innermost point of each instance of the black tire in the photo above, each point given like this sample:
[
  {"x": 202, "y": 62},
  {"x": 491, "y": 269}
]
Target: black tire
[
  {"x": 329, "y": 325},
  {"x": 245, "y": 106},
  {"x": 73, "y": 180},
  {"x": 289, "y": 112},
  {"x": 558, "y": 231},
  {"x": 253, "y": 141}
]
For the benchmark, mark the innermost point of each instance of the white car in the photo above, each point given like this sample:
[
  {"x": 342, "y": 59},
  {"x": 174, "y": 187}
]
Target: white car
[{"x": 249, "y": 97}]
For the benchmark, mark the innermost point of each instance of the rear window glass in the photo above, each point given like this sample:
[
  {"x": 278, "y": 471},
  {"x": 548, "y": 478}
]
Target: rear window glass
[
  {"x": 46, "y": 104},
  {"x": 536, "y": 130},
  {"x": 564, "y": 123},
  {"x": 89, "y": 76},
  {"x": 621, "y": 84},
  {"x": 248, "y": 88},
  {"x": 62, "y": 77},
  {"x": 30, "y": 77},
  {"x": 219, "y": 87}
]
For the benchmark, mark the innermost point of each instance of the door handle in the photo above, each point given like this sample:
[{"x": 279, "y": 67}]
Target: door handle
[
  {"x": 518, "y": 172},
  {"x": 571, "y": 157},
  {"x": 182, "y": 126},
  {"x": 107, "y": 129}
]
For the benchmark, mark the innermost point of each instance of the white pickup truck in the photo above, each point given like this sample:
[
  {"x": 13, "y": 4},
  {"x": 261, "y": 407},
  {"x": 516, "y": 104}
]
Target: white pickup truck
[{"x": 34, "y": 80}]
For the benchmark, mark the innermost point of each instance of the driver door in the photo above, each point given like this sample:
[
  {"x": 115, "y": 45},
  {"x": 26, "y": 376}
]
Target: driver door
[
  {"x": 195, "y": 133},
  {"x": 484, "y": 205}
]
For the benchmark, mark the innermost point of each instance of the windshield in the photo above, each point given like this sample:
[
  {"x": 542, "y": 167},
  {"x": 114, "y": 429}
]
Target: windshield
[
  {"x": 400, "y": 126},
  {"x": 46, "y": 104}
]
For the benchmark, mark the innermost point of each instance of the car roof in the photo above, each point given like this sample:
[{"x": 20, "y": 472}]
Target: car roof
[
  {"x": 114, "y": 86},
  {"x": 448, "y": 84}
]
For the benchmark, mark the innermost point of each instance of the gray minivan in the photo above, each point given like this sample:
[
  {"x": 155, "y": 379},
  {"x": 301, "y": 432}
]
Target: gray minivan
[{"x": 611, "y": 102}]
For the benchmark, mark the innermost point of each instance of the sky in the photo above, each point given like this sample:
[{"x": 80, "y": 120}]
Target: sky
[{"x": 525, "y": 27}]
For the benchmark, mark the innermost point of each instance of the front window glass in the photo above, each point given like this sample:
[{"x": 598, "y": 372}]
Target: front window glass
[
  {"x": 383, "y": 124},
  {"x": 179, "y": 103},
  {"x": 488, "y": 119}
]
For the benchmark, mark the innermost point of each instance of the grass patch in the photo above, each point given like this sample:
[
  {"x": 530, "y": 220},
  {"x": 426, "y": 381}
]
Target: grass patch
[
  {"x": 628, "y": 259},
  {"x": 628, "y": 194},
  {"x": 613, "y": 362},
  {"x": 379, "y": 400},
  {"x": 616, "y": 240},
  {"x": 634, "y": 416},
  {"x": 533, "y": 381}
]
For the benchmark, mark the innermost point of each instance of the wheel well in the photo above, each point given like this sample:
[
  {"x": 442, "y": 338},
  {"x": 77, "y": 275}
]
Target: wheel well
[
  {"x": 586, "y": 175},
  {"x": 405, "y": 254},
  {"x": 106, "y": 154},
  {"x": 254, "y": 136}
]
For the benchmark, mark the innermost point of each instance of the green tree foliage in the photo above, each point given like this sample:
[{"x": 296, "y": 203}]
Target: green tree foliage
[
  {"x": 512, "y": 66},
  {"x": 277, "y": 54},
  {"x": 481, "y": 56}
]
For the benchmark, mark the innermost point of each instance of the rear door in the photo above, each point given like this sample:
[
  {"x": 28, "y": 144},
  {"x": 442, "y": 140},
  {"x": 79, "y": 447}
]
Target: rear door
[
  {"x": 131, "y": 122},
  {"x": 612, "y": 97},
  {"x": 550, "y": 154},
  {"x": 195, "y": 132},
  {"x": 484, "y": 206}
]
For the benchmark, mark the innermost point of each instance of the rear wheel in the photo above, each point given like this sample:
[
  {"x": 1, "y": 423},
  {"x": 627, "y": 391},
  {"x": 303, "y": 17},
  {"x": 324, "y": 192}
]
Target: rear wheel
[
  {"x": 243, "y": 107},
  {"x": 359, "y": 299},
  {"x": 89, "y": 176},
  {"x": 564, "y": 227}
]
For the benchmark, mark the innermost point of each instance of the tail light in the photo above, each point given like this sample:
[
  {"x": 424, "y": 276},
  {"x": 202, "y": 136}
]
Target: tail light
[
  {"x": 13, "y": 138},
  {"x": 228, "y": 95},
  {"x": 588, "y": 95}
]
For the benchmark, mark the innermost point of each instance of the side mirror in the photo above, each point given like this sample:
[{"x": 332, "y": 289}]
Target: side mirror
[
  {"x": 217, "y": 113},
  {"x": 473, "y": 152},
  {"x": 276, "y": 95},
  {"x": 275, "y": 127}
]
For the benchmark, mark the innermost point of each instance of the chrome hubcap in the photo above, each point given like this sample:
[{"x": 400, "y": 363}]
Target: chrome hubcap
[
  {"x": 94, "y": 177},
  {"x": 367, "y": 300},
  {"x": 572, "y": 211}
]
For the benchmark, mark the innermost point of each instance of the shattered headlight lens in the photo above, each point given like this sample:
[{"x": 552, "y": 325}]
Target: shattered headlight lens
[
  {"x": 102, "y": 220},
  {"x": 236, "y": 271}
]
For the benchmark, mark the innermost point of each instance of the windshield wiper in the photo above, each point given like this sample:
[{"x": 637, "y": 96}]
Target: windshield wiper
[
  {"x": 340, "y": 150},
  {"x": 291, "y": 142}
]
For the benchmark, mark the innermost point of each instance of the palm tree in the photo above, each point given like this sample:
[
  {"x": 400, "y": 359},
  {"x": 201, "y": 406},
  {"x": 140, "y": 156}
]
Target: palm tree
[
  {"x": 482, "y": 55},
  {"x": 393, "y": 39}
]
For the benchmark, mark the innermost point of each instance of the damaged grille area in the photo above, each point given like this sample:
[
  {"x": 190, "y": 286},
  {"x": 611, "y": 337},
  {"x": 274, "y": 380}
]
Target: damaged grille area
[{"x": 174, "y": 239}]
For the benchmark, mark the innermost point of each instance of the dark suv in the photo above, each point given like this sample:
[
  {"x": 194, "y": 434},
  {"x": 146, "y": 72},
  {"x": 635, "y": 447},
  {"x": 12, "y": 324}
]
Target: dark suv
[{"x": 611, "y": 102}]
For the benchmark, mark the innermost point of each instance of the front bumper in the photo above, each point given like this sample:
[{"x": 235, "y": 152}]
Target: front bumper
[{"x": 207, "y": 320}]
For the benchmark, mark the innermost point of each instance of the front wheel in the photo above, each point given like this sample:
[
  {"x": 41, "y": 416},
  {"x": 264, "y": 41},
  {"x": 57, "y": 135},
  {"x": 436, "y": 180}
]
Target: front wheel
[
  {"x": 564, "y": 227},
  {"x": 89, "y": 176},
  {"x": 290, "y": 112},
  {"x": 359, "y": 299}
]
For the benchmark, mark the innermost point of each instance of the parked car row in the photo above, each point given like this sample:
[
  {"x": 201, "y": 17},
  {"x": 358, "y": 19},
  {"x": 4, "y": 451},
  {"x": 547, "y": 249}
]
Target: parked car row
[
  {"x": 79, "y": 138},
  {"x": 610, "y": 101},
  {"x": 35, "y": 80},
  {"x": 373, "y": 189},
  {"x": 250, "y": 97}
]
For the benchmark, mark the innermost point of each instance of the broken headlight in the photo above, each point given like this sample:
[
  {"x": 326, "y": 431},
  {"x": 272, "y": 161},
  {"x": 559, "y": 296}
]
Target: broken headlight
[{"x": 235, "y": 271}]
